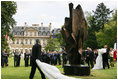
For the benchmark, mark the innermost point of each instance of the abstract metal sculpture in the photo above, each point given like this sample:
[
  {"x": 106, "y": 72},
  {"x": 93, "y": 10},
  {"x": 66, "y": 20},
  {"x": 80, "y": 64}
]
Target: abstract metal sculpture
[{"x": 74, "y": 33}]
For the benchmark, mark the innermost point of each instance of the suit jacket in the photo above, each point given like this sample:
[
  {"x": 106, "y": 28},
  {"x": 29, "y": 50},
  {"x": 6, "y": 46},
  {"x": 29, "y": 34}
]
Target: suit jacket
[
  {"x": 26, "y": 56},
  {"x": 105, "y": 55},
  {"x": 91, "y": 55},
  {"x": 36, "y": 52}
]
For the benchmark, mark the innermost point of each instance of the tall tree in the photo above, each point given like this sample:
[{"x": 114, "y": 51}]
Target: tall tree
[
  {"x": 8, "y": 9},
  {"x": 60, "y": 39},
  {"x": 101, "y": 15},
  {"x": 109, "y": 35},
  {"x": 91, "y": 40}
]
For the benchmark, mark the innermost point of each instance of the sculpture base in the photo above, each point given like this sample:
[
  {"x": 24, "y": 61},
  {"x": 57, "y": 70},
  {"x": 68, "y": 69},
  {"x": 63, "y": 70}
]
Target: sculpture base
[{"x": 78, "y": 70}]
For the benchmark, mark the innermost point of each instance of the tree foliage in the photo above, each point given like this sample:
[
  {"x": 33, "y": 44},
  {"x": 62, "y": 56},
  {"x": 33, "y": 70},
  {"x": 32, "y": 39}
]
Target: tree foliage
[
  {"x": 96, "y": 24},
  {"x": 53, "y": 45},
  {"x": 60, "y": 39},
  {"x": 8, "y": 9},
  {"x": 91, "y": 40},
  {"x": 101, "y": 15},
  {"x": 109, "y": 34}
]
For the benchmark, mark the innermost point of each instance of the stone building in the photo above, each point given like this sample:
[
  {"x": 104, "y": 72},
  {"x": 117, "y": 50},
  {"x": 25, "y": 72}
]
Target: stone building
[{"x": 25, "y": 36}]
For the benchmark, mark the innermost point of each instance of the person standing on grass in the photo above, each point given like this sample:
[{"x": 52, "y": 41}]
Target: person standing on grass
[
  {"x": 91, "y": 57},
  {"x": 26, "y": 58},
  {"x": 3, "y": 58},
  {"x": 15, "y": 58},
  {"x": 58, "y": 58},
  {"x": 95, "y": 55},
  {"x": 36, "y": 54},
  {"x": 105, "y": 57},
  {"x": 19, "y": 57},
  {"x": 111, "y": 57},
  {"x": 64, "y": 57}
]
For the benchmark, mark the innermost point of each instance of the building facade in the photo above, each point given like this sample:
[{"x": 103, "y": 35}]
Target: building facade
[{"x": 25, "y": 37}]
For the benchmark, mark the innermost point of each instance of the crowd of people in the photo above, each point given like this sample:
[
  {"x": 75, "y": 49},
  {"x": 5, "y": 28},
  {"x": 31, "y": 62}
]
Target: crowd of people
[
  {"x": 99, "y": 57},
  {"x": 89, "y": 56},
  {"x": 52, "y": 57}
]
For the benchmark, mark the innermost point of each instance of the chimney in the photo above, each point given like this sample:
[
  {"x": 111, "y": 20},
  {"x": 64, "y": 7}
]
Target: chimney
[
  {"x": 50, "y": 26},
  {"x": 41, "y": 24},
  {"x": 25, "y": 23},
  {"x": 35, "y": 24}
]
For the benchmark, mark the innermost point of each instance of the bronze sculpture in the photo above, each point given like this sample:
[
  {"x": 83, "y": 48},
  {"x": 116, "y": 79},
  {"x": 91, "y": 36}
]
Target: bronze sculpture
[{"x": 74, "y": 33}]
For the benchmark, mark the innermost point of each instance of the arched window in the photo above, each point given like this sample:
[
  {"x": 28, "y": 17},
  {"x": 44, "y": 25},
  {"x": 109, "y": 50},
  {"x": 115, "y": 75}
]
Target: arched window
[
  {"x": 21, "y": 41},
  {"x": 15, "y": 33},
  {"x": 39, "y": 33},
  {"x": 44, "y": 42},
  {"x": 22, "y": 33},
  {"x": 30, "y": 41},
  {"x": 17, "y": 41},
  {"x": 18, "y": 33},
  {"x": 43, "y": 28},
  {"x": 34, "y": 33},
  {"x": 26, "y": 33},
  {"x": 39, "y": 28},
  {"x": 25, "y": 41},
  {"x": 44, "y": 33},
  {"x": 30, "y": 33}
]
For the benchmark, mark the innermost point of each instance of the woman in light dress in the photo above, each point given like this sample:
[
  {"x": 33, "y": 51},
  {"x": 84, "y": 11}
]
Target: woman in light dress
[{"x": 99, "y": 60}]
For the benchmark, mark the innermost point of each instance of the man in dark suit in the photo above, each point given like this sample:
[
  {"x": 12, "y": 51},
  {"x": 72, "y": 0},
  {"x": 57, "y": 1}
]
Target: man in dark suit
[
  {"x": 64, "y": 57},
  {"x": 87, "y": 56},
  {"x": 3, "y": 56},
  {"x": 105, "y": 57},
  {"x": 26, "y": 58},
  {"x": 58, "y": 58},
  {"x": 36, "y": 54},
  {"x": 16, "y": 58},
  {"x": 90, "y": 57},
  {"x": 19, "y": 57}
]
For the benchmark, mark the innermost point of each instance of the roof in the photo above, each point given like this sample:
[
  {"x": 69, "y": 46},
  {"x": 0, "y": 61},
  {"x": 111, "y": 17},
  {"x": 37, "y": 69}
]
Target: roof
[{"x": 42, "y": 31}]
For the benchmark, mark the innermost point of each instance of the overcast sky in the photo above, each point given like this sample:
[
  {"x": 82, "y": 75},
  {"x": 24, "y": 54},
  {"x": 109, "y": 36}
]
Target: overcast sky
[{"x": 35, "y": 12}]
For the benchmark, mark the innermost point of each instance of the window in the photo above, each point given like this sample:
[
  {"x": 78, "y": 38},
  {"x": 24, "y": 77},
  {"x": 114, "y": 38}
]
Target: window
[
  {"x": 17, "y": 41},
  {"x": 25, "y": 41},
  {"x": 43, "y": 42},
  {"x": 21, "y": 41},
  {"x": 34, "y": 33},
  {"x": 43, "y": 28},
  {"x": 30, "y": 41},
  {"x": 18, "y": 33},
  {"x": 44, "y": 33},
  {"x": 39, "y": 28},
  {"x": 39, "y": 33},
  {"x": 22, "y": 33},
  {"x": 15, "y": 33},
  {"x": 26, "y": 33},
  {"x": 30, "y": 33}
]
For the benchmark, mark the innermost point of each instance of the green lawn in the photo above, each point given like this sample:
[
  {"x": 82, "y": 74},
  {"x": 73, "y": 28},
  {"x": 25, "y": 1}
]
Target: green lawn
[{"x": 22, "y": 72}]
